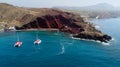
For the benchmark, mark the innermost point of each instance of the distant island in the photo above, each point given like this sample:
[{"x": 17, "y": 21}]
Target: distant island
[{"x": 22, "y": 18}]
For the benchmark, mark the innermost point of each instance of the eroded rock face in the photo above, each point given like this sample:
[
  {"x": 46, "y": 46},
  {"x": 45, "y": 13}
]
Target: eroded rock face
[{"x": 57, "y": 21}]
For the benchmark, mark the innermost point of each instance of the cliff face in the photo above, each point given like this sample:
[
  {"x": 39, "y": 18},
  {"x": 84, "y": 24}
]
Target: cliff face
[
  {"x": 64, "y": 21},
  {"x": 60, "y": 22}
]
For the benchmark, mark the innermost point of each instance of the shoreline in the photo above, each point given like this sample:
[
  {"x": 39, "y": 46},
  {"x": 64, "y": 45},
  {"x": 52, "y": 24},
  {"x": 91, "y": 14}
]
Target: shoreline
[
  {"x": 43, "y": 29},
  {"x": 53, "y": 29}
]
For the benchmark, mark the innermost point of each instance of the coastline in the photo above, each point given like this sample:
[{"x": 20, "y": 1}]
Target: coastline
[
  {"x": 42, "y": 29},
  {"x": 107, "y": 44}
]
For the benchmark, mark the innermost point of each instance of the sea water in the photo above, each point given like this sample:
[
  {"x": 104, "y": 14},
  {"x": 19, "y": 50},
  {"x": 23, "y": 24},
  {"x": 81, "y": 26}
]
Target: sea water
[{"x": 58, "y": 49}]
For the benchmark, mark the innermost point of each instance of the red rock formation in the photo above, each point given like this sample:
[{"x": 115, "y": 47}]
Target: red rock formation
[
  {"x": 57, "y": 21},
  {"x": 65, "y": 22}
]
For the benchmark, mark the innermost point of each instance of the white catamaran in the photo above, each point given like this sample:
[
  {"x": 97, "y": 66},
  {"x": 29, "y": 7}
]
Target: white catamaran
[
  {"x": 37, "y": 41},
  {"x": 18, "y": 43}
]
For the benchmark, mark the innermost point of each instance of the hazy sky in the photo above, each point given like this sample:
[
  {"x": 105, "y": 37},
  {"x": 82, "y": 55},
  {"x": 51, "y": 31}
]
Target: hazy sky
[{"x": 52, "y": 3}]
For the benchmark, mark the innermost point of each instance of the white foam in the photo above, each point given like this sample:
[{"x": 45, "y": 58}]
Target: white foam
[
  {"x": 107, "y": 44},
  {"x": 112, "y": 39},
  {"x": 98, "y": 41},
  {"x": 97, "y": 27}
]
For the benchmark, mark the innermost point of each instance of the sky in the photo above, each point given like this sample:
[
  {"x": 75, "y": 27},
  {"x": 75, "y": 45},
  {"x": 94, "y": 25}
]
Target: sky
[{"x": 54, "y": 3}]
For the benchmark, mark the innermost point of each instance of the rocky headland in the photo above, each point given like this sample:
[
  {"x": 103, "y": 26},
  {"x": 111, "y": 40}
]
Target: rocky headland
[{"x": 48, "y": 18}]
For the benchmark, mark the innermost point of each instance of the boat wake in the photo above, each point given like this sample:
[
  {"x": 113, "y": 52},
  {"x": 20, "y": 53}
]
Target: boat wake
[{"x": 62, "y": 49}]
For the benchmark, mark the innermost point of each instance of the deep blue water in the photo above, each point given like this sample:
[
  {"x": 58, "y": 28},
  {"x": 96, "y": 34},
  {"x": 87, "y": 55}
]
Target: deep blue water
[{"x": 60, "y": 50}]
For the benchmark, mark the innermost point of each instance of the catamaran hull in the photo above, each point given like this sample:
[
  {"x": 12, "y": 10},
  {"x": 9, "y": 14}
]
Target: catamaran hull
[
  {"x": 18, "y": 44},
  {"x": 37, "y": 43}
]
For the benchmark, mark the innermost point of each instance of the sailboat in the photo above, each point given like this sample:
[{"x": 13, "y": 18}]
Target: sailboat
[
  {"x": 18, "y": 43},
  {"x": 37, "y": 41},
  {"x": 97, "y": 17}
]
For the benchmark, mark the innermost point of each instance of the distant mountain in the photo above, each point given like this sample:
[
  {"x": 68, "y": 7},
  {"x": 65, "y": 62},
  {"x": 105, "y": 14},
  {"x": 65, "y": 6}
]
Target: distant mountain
[
  {"x": 103, "y": 10},
  {"x": 100, "y": 6}
]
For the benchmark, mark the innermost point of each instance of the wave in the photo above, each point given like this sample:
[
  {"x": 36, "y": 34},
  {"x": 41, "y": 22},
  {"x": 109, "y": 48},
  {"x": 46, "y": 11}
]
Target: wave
[
  {"x": 106, "y": 44},
  {"x": 97, "y": 27},
  {"x": 62, "y": 49},
  {"x": 112, "y": 39}
]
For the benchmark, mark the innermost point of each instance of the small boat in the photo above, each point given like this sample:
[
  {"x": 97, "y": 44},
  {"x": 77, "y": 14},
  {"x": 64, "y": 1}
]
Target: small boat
[
  {"x": 97, "y": 26},
  {"x": 37, "y": 42},
  {"x": 18, "y": 44},
  {"x": 97, "y": 17}
]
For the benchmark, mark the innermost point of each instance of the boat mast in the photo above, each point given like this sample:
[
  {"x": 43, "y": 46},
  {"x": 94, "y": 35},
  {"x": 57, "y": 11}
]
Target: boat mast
[
  {"x": 37, "y": 35},
  {"x": 17, "y": 37}
]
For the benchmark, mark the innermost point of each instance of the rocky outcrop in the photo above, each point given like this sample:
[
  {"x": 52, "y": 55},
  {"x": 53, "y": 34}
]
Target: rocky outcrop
[{"x": 94, "y": 36}]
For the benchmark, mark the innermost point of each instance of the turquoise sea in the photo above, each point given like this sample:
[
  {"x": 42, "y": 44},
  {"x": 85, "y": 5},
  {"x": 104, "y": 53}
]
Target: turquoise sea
[{"x": 60, "y": 50}]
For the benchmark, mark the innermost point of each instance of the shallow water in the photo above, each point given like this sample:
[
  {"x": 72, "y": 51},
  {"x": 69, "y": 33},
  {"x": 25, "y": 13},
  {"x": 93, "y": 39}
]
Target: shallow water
[{"x": 60, "y": 50}]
